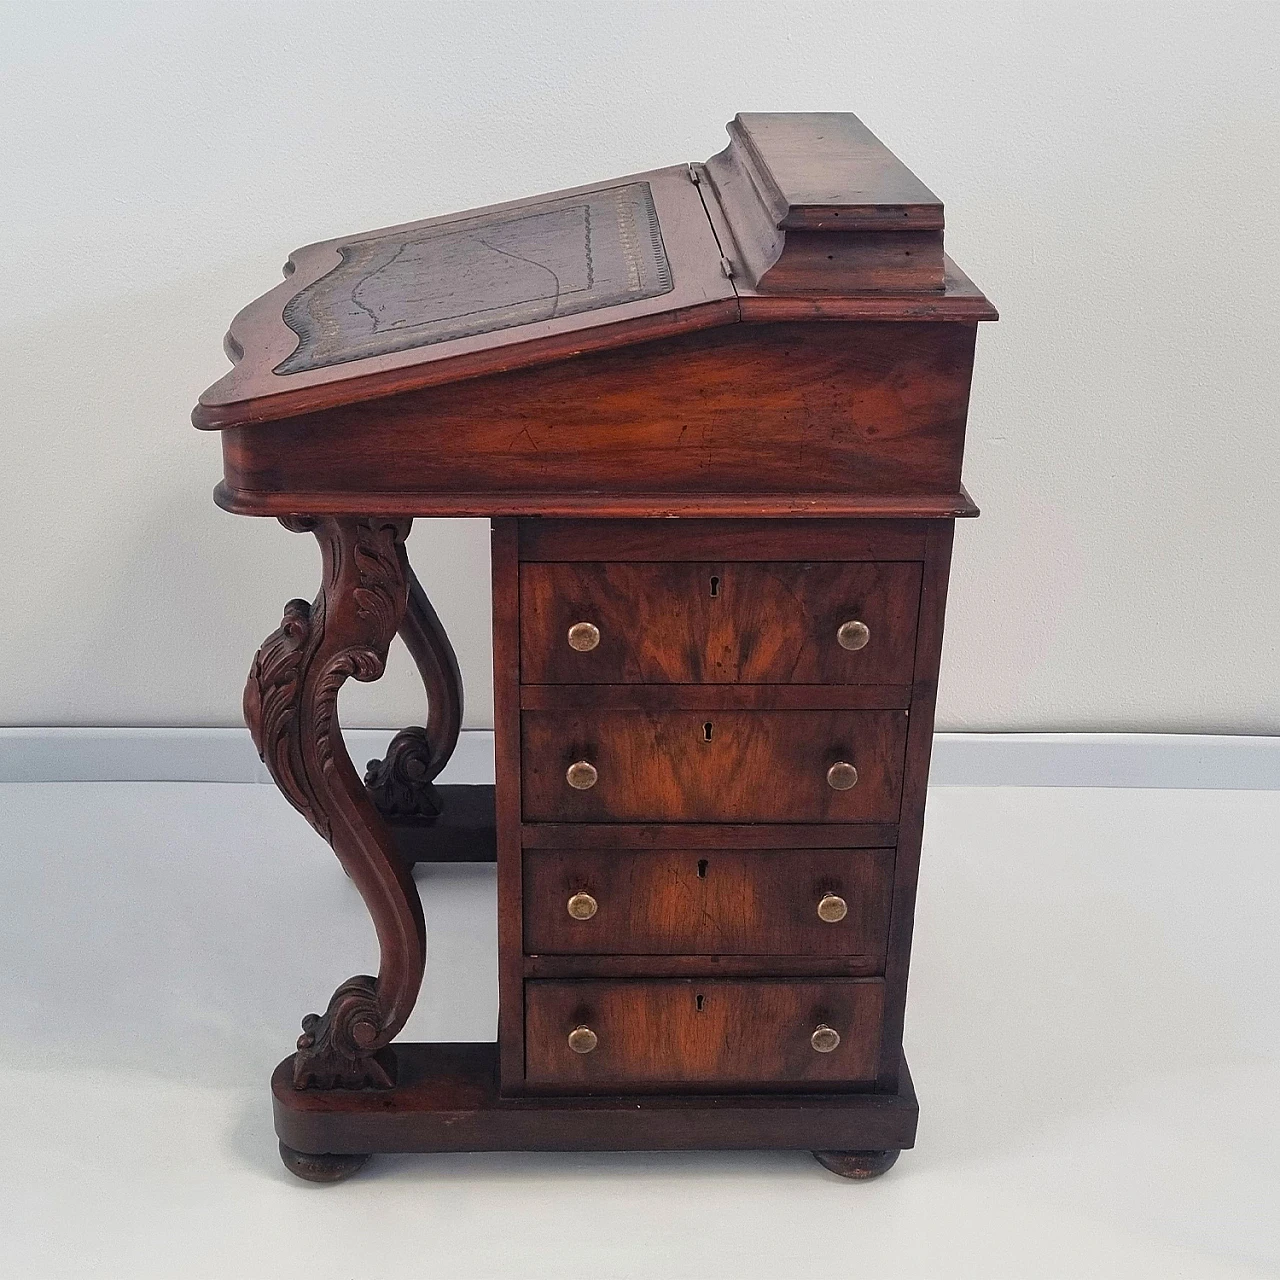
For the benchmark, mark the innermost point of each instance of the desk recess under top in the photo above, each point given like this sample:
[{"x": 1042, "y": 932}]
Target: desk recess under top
[{"x": 712, "y": 733}]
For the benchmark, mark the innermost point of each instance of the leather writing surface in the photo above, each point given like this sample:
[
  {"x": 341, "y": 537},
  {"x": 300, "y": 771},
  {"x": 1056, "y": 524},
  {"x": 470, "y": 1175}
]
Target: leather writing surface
[{"x": 413, "y": 288}]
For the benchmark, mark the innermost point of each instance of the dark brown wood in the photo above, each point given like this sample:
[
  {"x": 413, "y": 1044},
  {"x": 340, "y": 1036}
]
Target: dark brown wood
[
  {"x": 933, "y": 604},
  {"x": 464, "y": 830},
  {"x": 675, "y": 543},
  {"x": 749, "y": 766},
  {"x": 788, "y": 408},
  {"x": 401, "y": 783},
  {"x": 321, "y": 1168},
  {"x": 291, "y": 707},
  {"x": 686, "y": 966},
  {"x": 816, "y": 203},
  {"x": 772, "y": 347},
  {"x": 678, "y": 1033},
  {"x": 659, "y": 506},
  {"x": 687, "y": 835},
  {"x": 708, "y": 902},
  {"x": 447, "y": 1099},
  {"x": 718, "y": 622},
  {"x": 722, "y": 697},
  {"x": 506, "y": 721},
  {"x": 858, "y": 1165}
]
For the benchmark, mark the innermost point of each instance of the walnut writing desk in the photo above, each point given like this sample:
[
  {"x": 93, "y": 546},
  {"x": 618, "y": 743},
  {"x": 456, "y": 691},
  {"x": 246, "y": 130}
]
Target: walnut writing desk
[{"x": 712, "y": 731}]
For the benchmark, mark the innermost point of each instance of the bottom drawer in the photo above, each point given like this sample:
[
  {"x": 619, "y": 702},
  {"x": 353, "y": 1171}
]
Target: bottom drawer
[{"x": 591, "y": 1035}]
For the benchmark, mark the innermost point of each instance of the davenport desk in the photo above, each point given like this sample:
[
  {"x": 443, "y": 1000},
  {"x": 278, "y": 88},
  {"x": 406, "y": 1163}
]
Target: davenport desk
[{"x": 716, "y": 414}]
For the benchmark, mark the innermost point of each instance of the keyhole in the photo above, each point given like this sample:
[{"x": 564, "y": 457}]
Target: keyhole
[
  {"x": 697, "y": 1003},
  {"x": 715, "y": 586},
  {"x": 702, "y": 868},
  {"x": 707, "y": 731}
]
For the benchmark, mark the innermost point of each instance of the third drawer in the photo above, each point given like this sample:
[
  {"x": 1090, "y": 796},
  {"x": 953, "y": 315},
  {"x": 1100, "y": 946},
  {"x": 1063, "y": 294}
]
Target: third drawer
[{"x": 782, "y": 902}]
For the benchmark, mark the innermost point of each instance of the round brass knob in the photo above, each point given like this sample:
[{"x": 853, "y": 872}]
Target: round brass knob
[
  {"x": 582, "y": 775},
  {"x": 824, "y": 1038},
  {"x": 584, "y": 636},
  {"x": 840, "y": 777},
  {"x": 583, "y": 1039},
  {"x": 582, "y": 906},
  {"x": 853, "y": 635},
  {"x": 832, "y": 908}
]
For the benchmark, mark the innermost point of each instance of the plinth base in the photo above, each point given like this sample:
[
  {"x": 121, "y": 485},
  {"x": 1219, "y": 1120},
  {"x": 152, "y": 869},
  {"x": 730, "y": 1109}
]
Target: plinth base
[{"x": 446, "y": 1099}]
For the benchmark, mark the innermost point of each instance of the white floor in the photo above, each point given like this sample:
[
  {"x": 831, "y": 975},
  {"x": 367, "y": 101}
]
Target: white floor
[{"x": 1093, "y": 1032}]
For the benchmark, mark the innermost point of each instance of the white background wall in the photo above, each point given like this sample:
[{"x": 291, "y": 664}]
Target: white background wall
[{"x": 1111, "y": 179}]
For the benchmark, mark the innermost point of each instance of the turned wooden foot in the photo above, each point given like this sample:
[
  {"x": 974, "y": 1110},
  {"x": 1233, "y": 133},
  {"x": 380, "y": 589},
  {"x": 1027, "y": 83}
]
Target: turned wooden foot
[
  {"x": 327, "y": 1168},
  {"x": 857, "y": 1164}
]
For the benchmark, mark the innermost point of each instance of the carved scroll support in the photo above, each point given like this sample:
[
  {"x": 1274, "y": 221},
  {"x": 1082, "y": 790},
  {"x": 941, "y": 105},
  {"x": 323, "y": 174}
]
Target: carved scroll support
[
  {"x": 401, "y": 783},
  {"x": 290, "y": 705}
]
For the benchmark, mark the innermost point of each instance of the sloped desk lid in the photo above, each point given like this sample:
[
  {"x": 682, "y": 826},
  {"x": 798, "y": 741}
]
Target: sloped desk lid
[{"x": 802, "y": 216}]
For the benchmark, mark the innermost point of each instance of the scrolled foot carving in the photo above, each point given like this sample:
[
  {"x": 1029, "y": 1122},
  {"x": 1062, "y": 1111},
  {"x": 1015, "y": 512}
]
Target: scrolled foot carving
[
  {"x": 334, "y": 1049},
  {"x": 291, "y": 706},
  {"x": 400, "y": 783}
]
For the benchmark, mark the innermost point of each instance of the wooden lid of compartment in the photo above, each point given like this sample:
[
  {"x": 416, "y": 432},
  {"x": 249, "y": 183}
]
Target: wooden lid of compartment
[{"x": 803, "y": 216}]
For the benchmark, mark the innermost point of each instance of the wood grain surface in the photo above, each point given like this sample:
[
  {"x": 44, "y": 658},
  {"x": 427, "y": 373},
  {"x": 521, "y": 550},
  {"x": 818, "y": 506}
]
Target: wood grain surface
[
  {"x": 669, "y": 1033},
  {"x": 718, "y": 622},
  {"x": 707, "y": 902},
  {"x": 754, "y": 766}
]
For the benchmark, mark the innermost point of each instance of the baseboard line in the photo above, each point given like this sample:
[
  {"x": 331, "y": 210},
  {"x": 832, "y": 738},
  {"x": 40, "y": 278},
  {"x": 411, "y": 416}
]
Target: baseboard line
[{"x": 1183, "y": 761}]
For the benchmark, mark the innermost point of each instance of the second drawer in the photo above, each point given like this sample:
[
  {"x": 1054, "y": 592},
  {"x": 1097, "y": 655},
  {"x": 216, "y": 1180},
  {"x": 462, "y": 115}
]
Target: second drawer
[
  {"x": 782, "y": 902},
  {"x": 712, "y": 766}
]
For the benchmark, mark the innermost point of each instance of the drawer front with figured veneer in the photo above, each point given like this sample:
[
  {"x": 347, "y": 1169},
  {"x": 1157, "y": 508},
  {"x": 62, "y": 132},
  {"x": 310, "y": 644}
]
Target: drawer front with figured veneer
[
  {"x": 718, "y": 902},
  {"x": 712, "y": 766},
  {"x": 718, "y": 623},
  {"x": 705, "y": 1034}
]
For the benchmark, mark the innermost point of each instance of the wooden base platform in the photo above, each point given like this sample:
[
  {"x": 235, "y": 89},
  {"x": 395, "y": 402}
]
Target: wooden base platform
[{"x": 446, "y": 1099}]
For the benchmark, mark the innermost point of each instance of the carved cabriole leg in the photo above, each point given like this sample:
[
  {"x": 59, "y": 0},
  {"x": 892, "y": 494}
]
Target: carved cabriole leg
[
  {"x": 400, "y": 784},
  {"x": 291, "y": 706}
]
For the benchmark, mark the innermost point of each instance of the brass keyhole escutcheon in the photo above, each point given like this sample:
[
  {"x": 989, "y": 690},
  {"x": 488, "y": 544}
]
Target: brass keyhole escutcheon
[
  {"x": 825, "y": 1038},
  {"x": 832, "y": 908},
  {"x": 841, "y": 776},
  {"x": 853, "y": 635},
  {"x": 581, "y": 775},
  {"x": 582, "y": 906},
  {"x": 584, "y": 1040},
  {"x": 584, "y": 636}
]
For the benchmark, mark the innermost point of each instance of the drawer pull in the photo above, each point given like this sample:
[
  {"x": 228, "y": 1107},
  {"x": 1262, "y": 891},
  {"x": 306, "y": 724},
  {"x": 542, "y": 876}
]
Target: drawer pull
[
  {"x": 853, "y": 635},
  {"x": 582, "y": 775},
  {"x": 584, "y": 636},
  {"x": 840, "y": 777},
  {"x": 824, "y": 1038},
  {"x": 582, "y": 906},
  {"x": 832, "y": 908},
  {"x": 583, "y": 1039}
]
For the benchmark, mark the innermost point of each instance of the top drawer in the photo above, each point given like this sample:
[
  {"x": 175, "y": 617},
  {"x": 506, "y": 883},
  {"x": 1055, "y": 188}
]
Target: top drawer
[{"x": 711, "y": 622}]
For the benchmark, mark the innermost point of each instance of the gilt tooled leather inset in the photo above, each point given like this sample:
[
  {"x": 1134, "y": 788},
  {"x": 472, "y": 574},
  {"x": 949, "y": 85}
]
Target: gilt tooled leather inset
[{"x": 413, "y": 288}]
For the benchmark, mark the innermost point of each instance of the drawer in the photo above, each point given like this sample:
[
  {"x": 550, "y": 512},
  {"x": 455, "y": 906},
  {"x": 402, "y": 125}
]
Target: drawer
[
  {"x": 718, "y": 902},
  {"x": 708, "y": 1034},
  {"x": 712, "y": 766},
  {"x": 715, "y": 623}
]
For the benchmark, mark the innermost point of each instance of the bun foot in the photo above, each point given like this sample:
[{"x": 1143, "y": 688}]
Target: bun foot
[
  {"x": 857, "y": 1164},
  {"x": 328, "y": 1168}
]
